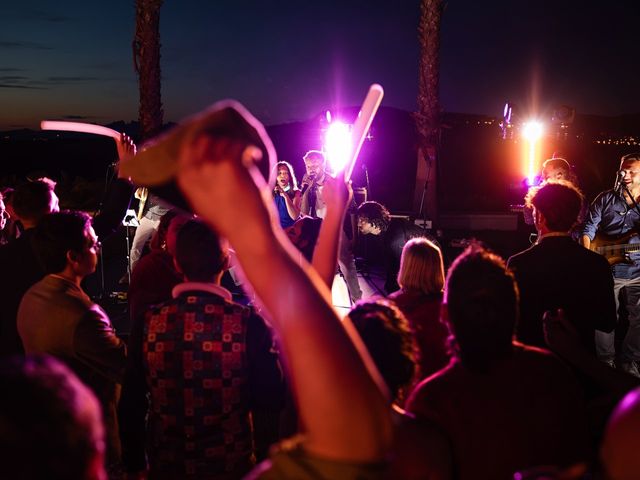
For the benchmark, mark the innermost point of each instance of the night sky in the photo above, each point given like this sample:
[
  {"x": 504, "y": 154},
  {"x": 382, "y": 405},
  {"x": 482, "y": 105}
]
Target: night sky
[{"x": 289, "y": 60}]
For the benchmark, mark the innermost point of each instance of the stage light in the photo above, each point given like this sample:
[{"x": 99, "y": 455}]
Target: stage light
[
  {"x": 532, "y": 181},
  {"x": 338, "y": 146},
  {"x": 532, "y": 132}
]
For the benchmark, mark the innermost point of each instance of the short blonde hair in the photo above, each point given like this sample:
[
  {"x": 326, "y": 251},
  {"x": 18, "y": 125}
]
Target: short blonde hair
[{"x": 421, "y": 267}]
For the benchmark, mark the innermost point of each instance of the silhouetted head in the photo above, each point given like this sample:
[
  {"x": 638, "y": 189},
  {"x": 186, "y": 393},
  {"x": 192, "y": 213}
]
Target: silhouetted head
[
  {"x": 200, "y": 255},
  {"x": 33, "y": 200},
  {"x": 619, "y": 451},
  {"x": 386, "y": 333},
  {"x": 560, "y": 203},
  {"x": 50, "y": 423},
  {"x": 64, "y": 239},
  {"x": 481, "y": 308}
]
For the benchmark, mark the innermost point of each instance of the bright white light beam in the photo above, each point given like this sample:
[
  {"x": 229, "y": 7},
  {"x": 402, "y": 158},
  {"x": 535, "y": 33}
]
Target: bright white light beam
[
  {"x": 532, "y": 132},
  {"x": 337, "y": 145},
  {"x": 80, "y": 127}
]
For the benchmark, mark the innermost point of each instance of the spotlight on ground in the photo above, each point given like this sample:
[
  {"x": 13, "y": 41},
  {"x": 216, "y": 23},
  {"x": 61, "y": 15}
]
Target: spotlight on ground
[{"x": 338, "y": 145}]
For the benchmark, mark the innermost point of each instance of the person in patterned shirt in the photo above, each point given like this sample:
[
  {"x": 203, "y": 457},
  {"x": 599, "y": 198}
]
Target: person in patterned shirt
[{"x": 208, "y": 363}]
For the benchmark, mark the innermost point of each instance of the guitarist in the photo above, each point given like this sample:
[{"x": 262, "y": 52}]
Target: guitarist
[
  {"x": 616, "y": 212},
  {"x": 151, "y": 212}
]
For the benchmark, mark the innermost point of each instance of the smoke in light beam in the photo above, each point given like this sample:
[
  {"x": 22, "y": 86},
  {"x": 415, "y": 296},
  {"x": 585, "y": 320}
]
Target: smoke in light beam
[{"x": 532, "y": 132}]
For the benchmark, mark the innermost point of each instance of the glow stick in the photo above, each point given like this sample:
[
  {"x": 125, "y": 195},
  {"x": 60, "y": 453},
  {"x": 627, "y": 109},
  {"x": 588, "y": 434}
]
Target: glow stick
[
  {"x": 80, "y": 127},
  {"x": 362, "y": 124}
]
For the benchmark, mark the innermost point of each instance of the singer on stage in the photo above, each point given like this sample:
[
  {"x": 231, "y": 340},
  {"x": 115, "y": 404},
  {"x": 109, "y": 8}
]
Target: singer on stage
[
  {"x": 616, "y": 213},
  {"x": 313, "y": 205},
  {"x": 286, "y": 194}
]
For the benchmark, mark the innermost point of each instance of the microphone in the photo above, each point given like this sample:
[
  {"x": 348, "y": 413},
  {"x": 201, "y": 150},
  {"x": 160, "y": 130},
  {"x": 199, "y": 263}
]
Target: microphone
[
  {"x": 304, "y": 188},
  {"x": 618, "y": 183}
]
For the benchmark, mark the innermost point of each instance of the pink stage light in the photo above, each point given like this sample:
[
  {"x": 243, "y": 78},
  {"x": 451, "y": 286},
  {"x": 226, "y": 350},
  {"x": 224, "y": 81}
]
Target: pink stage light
[{"x": 338, "y": 146}]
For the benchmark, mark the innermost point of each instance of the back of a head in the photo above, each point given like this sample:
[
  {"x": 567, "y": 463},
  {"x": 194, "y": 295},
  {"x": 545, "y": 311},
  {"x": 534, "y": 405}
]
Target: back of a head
[
  {"x": 304, "y": 235},
  {"x": 386, "y": 333},
  {"x": 375, "y": 213},
  {"x": 481, "y": 296},
  {"x": 560, "y": 202},
  {"x": 199, "y": 253},
  {"x": 421, "y": 267},
  {"x": 159, "y": 239},
  {"x": 619, "y": 452},
  {"x": 33, "y": 200},
  {"x": 50, "y": 423},
  {"x": 56, "y": 234}
]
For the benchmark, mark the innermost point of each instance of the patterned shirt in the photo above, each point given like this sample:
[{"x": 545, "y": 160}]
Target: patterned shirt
[{"x": 201, "y": 353}]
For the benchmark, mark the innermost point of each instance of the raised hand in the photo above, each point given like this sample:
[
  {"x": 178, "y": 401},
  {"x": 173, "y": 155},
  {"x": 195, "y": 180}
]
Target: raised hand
[
  {"x": 336, "y": 194},
  {"x": 560, "y": 335},
  {"x": 126, "y": 149}
]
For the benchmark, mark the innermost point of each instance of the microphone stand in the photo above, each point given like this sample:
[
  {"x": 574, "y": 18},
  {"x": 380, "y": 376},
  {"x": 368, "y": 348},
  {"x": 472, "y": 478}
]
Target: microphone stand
[
  {"x": 635, "y": 204},
  {"x": 108, "y": 178}
]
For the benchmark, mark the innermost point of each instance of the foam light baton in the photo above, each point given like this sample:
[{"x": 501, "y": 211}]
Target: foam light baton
[
  {"x": 362, "y": 124},
  {"x": 80, "y": 127}
]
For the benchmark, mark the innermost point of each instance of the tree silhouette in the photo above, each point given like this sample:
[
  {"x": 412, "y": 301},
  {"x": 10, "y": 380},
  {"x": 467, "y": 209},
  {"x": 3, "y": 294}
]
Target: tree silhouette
[
  {"x": 427, "y": 117},
  {"x": 146, "y": 59}
]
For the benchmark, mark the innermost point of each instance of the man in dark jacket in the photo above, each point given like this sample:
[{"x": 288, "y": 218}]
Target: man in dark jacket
[{"x": 557, "y": 272}]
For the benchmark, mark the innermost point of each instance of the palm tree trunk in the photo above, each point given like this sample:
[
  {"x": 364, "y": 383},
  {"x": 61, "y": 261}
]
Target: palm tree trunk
[
  {"x": 146, "y": 55},
  {"x": 428, "y": 116}
]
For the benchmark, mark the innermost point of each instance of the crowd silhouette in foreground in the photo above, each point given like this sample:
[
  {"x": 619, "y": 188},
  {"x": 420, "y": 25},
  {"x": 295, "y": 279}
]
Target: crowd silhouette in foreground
[{"x": 489, "y": 370}]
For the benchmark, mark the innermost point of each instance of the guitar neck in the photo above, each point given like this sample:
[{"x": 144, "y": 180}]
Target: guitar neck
[{"x": 623, "y": 247}]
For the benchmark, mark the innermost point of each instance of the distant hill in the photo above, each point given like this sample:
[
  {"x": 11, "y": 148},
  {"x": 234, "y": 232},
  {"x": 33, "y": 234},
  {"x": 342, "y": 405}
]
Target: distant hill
[{"x": 477, "y": 170}]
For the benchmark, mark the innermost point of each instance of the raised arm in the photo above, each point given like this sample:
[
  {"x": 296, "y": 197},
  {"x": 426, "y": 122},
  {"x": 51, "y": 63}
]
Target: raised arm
[
  {"x": 340, "y": 399},
  {"x": 336, "y": 195},
  {"x": 306, "y": 185},
  {"x": 118, "y": 197}
]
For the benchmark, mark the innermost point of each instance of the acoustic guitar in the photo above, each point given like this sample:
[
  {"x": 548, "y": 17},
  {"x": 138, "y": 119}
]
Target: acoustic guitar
[
  {"x": 141, "y": 194},
  {"x": 616, "y": 248}
]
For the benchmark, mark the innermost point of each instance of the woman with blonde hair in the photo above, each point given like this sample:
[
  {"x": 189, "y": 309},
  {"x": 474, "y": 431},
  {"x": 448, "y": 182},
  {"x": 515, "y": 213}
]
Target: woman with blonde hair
[{"x": 421, "y": 280}]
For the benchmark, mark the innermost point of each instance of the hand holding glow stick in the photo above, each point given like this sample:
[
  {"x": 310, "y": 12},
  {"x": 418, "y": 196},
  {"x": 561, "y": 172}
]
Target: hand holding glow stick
[{"x": 125, "y": 146}]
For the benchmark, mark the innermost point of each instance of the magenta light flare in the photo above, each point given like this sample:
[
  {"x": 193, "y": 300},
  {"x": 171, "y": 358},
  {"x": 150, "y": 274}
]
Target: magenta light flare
[
  {"x": 79, "y": 127},
  {"x": 338, "y": 146}
]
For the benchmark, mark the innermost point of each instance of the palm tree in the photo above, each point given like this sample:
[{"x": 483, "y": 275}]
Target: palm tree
[
  {"x": 427, "y": 117},
  {"x": 146, "y": 59}
]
